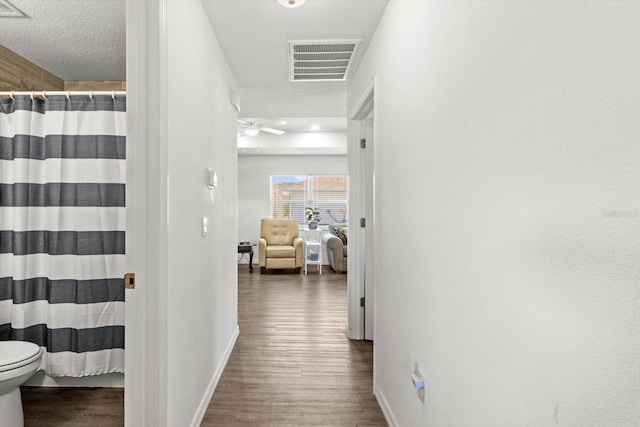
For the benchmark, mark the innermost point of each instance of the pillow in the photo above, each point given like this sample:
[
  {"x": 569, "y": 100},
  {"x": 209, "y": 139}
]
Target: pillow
[
  {"x": 343, "y": 234},
  {"x": 333, "y": 230}
]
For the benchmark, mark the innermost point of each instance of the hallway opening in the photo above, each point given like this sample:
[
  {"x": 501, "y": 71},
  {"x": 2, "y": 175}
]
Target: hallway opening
[{"x": 293, "y": 363}]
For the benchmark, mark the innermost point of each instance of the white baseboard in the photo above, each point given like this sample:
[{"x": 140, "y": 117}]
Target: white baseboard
[
  {"x": 386, "y": 409},
  {"x": 202, "y": 408},
  {"x": 40, "y": 379}
]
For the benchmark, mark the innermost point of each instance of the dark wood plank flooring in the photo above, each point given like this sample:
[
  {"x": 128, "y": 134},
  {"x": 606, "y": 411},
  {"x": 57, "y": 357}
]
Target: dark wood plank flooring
[
  {"x": 292, "y": 365},
  {"x": 72, "y": 406}
]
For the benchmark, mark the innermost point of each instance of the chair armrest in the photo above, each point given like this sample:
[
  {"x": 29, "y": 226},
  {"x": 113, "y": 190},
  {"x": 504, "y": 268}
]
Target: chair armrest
[
  {"x": 297, "y": 244},
  {"x": 333, "y": 243},
  {"x": 262, "y": 252},
  {"x": 335, "y": 251}
]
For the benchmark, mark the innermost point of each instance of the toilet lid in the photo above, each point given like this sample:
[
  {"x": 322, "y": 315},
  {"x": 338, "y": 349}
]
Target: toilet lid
[{"x": 17, "y": 353}]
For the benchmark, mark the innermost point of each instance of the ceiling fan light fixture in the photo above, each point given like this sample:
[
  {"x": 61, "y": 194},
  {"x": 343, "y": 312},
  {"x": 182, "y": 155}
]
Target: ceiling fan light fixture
[
  {"x": 291, "y": 3},
  {"x": 251, "y": 132}
]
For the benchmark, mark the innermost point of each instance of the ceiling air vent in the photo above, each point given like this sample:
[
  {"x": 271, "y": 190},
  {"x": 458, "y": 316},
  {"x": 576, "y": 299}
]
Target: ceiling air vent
[
  {"x": 321, "y": 60},
  {"x": 8, "y": 10}
]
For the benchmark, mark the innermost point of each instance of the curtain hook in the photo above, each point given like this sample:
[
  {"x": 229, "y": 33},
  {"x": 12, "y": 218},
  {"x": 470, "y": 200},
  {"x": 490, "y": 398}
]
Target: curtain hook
[
  {"x": 32, "y": 95},
  {"x": 91, "y": 95},
  {"x": 113, "y": 95},
  {"x": 68, "y": 96},
  {"x": 11, "y": 95},
  {"x": 44, "y": 95}
]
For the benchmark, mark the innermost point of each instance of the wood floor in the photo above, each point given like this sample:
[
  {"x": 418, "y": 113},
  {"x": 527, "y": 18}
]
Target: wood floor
[
  {"x": 292, "y": 365},
  {"x": 72, "y": 407}
]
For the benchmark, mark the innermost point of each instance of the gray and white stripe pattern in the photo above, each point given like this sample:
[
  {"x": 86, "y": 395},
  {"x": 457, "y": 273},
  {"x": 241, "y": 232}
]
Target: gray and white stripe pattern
[{"x": 62, "y": 229}]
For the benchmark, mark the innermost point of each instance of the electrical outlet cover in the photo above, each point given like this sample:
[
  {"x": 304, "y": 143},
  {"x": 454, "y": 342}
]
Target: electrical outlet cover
[{"x": 418, "y": 377}]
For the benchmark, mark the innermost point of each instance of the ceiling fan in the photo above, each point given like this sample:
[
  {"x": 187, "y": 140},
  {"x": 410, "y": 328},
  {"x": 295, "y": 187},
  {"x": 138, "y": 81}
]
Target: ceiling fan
[{"x": 252, "y": 128}]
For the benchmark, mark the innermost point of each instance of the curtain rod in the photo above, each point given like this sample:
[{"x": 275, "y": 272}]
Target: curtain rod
[{"x": 45, "y": 93}]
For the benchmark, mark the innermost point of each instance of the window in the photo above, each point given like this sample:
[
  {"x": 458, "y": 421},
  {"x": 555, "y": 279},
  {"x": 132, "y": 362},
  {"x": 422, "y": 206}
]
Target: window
[{"x": 291, "y": 194}]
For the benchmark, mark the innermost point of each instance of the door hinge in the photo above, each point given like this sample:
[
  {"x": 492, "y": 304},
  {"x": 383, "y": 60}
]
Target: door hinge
[
  {"x": 362, "y": 302},
  {"x": 130, "y": 281},
  {"x": 363, "y": 143},
  {"x": 363, "y": 223}
]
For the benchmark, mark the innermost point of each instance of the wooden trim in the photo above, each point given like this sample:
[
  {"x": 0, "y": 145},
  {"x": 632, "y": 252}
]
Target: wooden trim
[
  {"x": 98, "y": 85},
  {"x": 17, "y": 73}
]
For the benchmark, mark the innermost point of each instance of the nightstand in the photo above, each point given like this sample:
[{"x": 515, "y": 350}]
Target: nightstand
[{"x": 312, "y": 249}]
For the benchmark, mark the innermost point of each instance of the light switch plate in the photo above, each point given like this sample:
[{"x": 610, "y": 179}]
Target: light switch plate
[
  {"x": 205, "y": 226},
  {"x": 212, "y": 180}
]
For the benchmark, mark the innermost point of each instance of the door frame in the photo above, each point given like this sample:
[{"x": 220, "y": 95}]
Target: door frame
[
  {"x": 357, "y": 187},
  {"x": 145, "y": 399}
]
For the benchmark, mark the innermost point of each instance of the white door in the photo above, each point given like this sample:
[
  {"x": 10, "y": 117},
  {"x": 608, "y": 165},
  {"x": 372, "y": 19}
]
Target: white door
[
  {"x": 361, "y": 279},
  {"x": 369, "y": 230}
]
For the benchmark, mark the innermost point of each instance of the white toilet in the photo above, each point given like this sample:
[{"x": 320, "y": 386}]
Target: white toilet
[{"x": 19, "y": 360}]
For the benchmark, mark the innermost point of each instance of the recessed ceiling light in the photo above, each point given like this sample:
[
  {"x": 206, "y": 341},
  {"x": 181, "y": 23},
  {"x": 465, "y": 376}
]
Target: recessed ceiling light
[
  {"x": 291, "y": 3},
  {"x": 315, "y": 127}
]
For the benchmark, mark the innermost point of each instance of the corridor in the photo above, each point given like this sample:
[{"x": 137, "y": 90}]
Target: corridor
[{"x": 293, "y": 363}]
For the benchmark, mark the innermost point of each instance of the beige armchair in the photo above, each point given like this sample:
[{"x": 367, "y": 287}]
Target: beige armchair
[{"x": 279, "y": 245}]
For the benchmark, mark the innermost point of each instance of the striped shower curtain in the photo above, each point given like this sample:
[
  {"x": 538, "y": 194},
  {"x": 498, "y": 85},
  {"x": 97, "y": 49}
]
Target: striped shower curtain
[{"x": 62, "y": 222}]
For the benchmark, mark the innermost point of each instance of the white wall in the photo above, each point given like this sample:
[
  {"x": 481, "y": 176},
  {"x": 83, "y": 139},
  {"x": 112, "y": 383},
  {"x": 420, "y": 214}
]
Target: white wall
[
  {"x": 514, "y": 128},
  {"x": 299, "y": 143},
  {"x": 201, "y": 298},
  {"x": 254, "y": 174}
]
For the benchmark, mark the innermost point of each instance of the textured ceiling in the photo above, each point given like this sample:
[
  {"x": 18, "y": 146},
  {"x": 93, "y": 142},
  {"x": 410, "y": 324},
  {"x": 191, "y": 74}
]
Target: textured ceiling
[
  {"x": 85, "y": 40},
  {"x": 254, "y": 36},
  {"x": 73, "y": 39}
]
